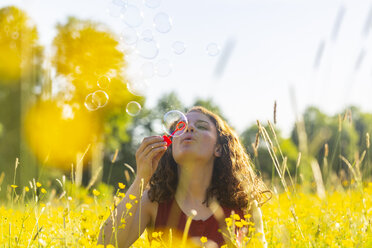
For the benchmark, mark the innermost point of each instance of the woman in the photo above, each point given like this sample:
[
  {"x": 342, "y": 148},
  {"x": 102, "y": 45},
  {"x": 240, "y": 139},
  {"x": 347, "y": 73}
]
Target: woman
[{"x": 205, "y": 169}]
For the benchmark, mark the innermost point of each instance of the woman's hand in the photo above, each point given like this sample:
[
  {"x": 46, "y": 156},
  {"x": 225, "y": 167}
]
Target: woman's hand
[{"x": 148, "y": 156}]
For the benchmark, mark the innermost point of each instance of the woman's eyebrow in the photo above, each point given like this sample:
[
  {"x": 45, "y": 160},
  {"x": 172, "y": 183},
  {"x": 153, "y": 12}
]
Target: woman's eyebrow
[{"x": 203, "y": 121}]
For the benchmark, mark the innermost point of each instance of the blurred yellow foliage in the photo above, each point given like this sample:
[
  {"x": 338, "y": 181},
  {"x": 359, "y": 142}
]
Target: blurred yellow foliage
[
  {"x": 57, "y": 133},
  {"x": 18, "y": 44}
]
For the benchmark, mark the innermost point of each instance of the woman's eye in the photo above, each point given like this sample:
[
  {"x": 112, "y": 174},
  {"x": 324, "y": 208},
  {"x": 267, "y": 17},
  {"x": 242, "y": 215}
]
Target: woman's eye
[{"x": 201, "y": 127}]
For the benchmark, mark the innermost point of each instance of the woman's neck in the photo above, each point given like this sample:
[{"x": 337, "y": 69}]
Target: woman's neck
[{"x": 194, "y": 180}]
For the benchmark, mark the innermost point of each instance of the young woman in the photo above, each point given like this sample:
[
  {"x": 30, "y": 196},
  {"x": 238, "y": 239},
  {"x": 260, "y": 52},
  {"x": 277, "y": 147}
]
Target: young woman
[{"x": 205, "y": 169}]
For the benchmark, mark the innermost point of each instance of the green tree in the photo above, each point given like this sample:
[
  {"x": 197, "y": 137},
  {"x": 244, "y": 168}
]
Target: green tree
[{"x": 20, "y": 73}]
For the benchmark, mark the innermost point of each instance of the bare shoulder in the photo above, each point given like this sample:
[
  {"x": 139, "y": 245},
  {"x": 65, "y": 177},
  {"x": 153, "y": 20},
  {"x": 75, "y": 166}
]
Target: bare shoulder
[{"x": 151, "y": 208}]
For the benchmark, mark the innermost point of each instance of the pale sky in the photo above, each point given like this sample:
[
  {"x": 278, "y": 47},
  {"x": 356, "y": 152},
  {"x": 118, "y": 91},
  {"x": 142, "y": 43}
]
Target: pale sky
[{"x": 274, "y": 46}]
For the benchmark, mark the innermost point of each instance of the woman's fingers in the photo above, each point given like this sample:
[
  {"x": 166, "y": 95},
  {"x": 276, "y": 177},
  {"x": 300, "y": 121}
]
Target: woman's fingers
[
  {"x": 148, "y": 141},
  {"x": 154, "y": 147}
]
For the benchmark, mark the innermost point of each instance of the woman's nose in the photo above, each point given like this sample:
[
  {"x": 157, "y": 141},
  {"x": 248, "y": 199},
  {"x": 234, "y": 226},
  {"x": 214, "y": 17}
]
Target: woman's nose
[{"x": 190, "y": 128}]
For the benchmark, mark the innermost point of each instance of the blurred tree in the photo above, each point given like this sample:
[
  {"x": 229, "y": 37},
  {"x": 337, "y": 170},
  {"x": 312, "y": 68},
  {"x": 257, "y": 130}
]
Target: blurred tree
[
  {"x": 210, "y": 105},
  {"x": 89, "y": 100},
  {"x": 20, "y": 73},
  {"x": 259, "y": 153},
  {"x": 320, "y": 129}
]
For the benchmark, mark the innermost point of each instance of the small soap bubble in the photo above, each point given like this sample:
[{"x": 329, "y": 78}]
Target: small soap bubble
[
  {"x": 129, "y": 36},
  {"x": 162, "y": 22},
  {"x": 89, "y": 103},
  {"x": 132, "y": 16},
  {"x": 100, "y": 98},
  {"x": 147, "y": 49},
  {"x": 147, "y": 35},
  {"x": 163, "y": 68},
  {"x": 178, "y": 47},
  {"x": 174, "y": 123},
  {"x": 103, "y": 82},
  {"x": 213, "y": 49},
  {"x": 147, "y": 70},
  {"x": 133, "y": 108},
  {"x": 152, "y": 3}
]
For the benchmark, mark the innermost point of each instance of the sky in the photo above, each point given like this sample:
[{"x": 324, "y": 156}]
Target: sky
[{"x": 295, "y": 52}]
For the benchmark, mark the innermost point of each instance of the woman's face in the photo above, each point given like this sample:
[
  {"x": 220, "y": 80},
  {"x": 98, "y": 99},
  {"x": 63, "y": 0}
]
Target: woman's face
[{"x": 198, "y": 143}]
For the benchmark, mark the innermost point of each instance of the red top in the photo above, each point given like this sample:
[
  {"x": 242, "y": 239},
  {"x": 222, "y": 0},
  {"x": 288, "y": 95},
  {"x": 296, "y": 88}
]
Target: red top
[{"x": 168, "y": 217}]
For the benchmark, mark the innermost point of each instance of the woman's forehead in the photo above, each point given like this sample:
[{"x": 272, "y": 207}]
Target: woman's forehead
[{"x": 195, "y": 116}]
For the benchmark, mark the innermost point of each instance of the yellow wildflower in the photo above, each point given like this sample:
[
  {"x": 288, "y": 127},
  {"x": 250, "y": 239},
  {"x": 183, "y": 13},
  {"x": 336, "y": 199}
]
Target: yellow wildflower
[
  {"x": 13, "y": 186},
  {"x": 27, "y": 189},
  {"x": 121, "y": 185},
  {"x": 43, "y": 190},
  {"x": 38, "y": 184},
  {"x": 236, "y": 217},
  {"x": 122, "y": 195},
  {"x": 96, "y": 192},
  {"x": 128, "y": 206},
  {"x": 132, "y": 197},
  {"x": 203, "y": 239}
]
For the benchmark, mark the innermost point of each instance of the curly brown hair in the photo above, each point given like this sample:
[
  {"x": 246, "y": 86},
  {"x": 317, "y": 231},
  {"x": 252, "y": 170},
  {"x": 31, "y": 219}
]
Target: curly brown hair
[{"x": 234, "y": 182}]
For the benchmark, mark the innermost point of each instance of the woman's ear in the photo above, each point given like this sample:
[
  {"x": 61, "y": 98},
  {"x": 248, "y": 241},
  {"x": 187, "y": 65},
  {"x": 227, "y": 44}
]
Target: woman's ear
[{"x": 218, "y": 150}]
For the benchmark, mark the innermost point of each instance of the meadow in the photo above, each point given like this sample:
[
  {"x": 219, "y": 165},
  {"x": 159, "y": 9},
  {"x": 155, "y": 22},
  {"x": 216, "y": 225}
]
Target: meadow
[{"x": 63, "y": 214}]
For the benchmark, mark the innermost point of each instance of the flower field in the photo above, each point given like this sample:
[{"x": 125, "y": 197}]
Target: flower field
[{"x": 36, "y": 216}]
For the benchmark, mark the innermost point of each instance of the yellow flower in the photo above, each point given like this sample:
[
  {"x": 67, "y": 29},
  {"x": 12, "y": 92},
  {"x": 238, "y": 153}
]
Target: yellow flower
[
  {"x": 128, "y": 206},
  {"x": 110, "y": 246},
  {"x": 122, "y": 195},
  {"x": 13, "y": 186},
  {"x": 247, "y": 216},
  {"x": 27, "y": 189},
  {"x": 121, "y": 185},
  {"x": 43, "y": 190},
  {"x": 38, "y": 184},
  {"x": 132, "y": 197},
  {"x": 203, "y": 239},
  {"x": 96, "y": 192},
  {"x": 236, "y": 217},
  {"x": 239, "y": 224}
]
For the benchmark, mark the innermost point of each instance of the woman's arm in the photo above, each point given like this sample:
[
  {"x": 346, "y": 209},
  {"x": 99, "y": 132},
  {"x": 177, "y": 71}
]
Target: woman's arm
[
  {"x": 123, "y": 232},
  {"x": 127, "y": 228}
]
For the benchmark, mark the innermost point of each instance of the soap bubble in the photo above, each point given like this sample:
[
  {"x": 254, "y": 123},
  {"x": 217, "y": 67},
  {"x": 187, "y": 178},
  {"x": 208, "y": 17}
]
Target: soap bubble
[
  {"x": 213, "y": 49},
  {"x": 163, "y": 68},
  {"x": 103, "y": 82},
  {"x": 152, "y": 3},
  {"x": 174, "y": 123},
  {"x": 147, "y": 49},
  {"x": 89, "y": 103},
  {"x": 129, "y": 36},
  {"x": 100, "y": 98},
  {"x": 162, "y": 22},
  {"x": 178, "y": 47},
  {"x": 132, "y": 16},
  {"x": 133, "y": 108},
  {"x": 147, "y": 35}
]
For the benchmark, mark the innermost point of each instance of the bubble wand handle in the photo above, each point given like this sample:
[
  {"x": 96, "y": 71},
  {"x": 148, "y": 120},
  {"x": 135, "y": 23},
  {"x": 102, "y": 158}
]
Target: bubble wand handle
[{"x": 180, "y": 126}]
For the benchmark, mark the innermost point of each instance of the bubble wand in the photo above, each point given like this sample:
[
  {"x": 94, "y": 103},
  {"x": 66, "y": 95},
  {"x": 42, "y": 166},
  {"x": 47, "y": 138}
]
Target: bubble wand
[{"x": 180, "y": 126}]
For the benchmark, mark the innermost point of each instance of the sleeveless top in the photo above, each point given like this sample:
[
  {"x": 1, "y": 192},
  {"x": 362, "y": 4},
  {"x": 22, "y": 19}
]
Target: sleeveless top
[{"x": 170, "y": 215}]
